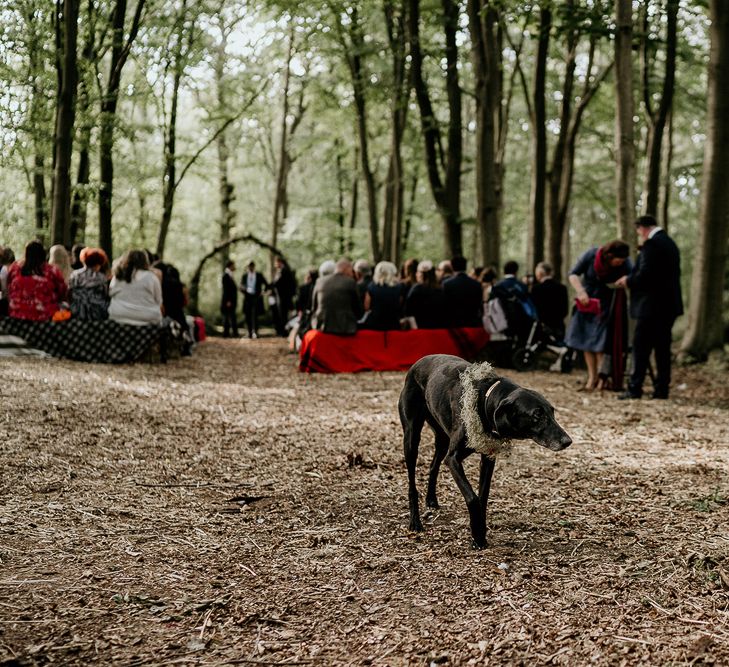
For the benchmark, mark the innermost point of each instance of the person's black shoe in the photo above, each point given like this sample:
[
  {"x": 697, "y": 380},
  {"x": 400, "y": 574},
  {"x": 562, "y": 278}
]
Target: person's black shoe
[
  {"x": 628, "y": 396},
  {"x": 657, "y": 395}
]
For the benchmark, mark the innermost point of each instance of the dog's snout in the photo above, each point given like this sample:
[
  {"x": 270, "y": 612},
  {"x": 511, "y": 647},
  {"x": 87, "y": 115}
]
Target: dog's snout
[{"x": 565, "y": 441}]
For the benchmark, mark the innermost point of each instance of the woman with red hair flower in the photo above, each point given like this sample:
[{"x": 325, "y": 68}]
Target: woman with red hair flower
[{"x": 89, "y": 286}]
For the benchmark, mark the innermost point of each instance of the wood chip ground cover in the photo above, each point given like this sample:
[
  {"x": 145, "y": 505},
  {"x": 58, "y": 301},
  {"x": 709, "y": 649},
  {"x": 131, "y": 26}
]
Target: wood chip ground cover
[{"x": 225, "y": 509}]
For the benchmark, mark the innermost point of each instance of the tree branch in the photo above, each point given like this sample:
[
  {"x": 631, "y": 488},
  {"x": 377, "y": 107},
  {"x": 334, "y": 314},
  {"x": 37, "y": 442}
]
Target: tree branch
[{"x": 216, "y": 134}]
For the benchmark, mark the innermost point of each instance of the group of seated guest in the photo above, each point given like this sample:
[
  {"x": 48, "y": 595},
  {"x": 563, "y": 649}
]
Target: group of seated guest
[
  {"x": 41, "y": 288},
  {"x": 354, "y": 297}
]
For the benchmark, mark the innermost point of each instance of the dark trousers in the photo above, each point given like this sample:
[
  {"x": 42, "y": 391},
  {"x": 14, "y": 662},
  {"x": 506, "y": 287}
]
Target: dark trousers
[
  {"x": 280, "y": 315},
  {"x": 652, "y": 334},
  {"x": 250, "y": 310},
  {"x": 230, "y": 321}
]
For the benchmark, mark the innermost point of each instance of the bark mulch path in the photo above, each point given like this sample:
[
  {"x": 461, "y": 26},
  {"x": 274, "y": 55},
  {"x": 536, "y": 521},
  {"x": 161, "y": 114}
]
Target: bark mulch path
[{"x": 227, "y": 510}]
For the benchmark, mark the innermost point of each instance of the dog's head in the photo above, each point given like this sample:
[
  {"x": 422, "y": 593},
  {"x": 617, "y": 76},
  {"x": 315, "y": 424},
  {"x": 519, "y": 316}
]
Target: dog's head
[{"x": 526, "y": 415}]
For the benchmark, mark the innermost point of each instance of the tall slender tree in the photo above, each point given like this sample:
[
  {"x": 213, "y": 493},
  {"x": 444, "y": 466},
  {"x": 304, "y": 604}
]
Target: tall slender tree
[
  {"x": 400, "y": 86},
  {"x": 625, "y": 109},
  {"x": 351, "y": 38},
  {"x": 487, "y": 66},
  {"x": 656, "y": 116},
  {"x": 535, "y": 245},
  {"x": 706, "y": 328},
  {"x": 66, "y": 21},
  {"x": 573, "y": 107},
  {"x": 290, "y": 121},
  {"x": 443, "y": 164},
  {"x": 120, "y": 49}
]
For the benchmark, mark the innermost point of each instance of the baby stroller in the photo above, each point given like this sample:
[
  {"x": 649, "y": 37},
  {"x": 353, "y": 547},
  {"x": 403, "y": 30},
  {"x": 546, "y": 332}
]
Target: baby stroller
[
  {"x": 511, "y": 319},
  {"x": 541, "y": 338}
]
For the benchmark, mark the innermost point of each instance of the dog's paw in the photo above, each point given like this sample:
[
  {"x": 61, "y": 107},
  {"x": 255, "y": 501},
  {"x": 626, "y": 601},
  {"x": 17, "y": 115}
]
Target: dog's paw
[
  {"x": 416, "y": 526},
  {"x": 432, "y": 503},
  {"x": 479, "y": 545}
]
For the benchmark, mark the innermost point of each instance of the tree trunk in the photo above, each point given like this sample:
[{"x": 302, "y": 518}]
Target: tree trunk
[
  {"x": 354, "y": 202},
  {"x": 340, "y": 196},
  {"x": 280, "y": 204},
  {"x": 624, "y": 132},
  {"x": 657, "y": 118},
  {"x": 169, "y": 180},
  {"x": 535, "y": 246},
  {"x": 446, "y": 188},
  {"x": 37, "y": 121},
  {"x": 706, "y": 331},
  {"x": 80, "y": 197},
  {"x": 354, "y": 60},
  {"x": 67, "y": 12},
  {"x": 665, "y": 195},
  {"x": 39, "y": 195},
  {"x": 562, "y": 167},
  {"x": 395, "y": 184},
  {"x": 225, "y": 187},
  {"x": 485, "y": 53},
  {"x": 119, "y": 54}
]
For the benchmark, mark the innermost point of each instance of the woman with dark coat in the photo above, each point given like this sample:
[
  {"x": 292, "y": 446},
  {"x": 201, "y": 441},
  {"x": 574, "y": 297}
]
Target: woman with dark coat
[
  {"x": 425, "y": 301},
  {"x": 599, "y": 318},
  {"x": 383, "y": 299}
]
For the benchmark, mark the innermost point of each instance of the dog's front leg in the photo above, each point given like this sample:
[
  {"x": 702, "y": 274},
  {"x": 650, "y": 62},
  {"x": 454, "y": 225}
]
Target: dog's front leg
[
  {"x": 454, "y": 460},
  {"x": 484, "y": 481}
]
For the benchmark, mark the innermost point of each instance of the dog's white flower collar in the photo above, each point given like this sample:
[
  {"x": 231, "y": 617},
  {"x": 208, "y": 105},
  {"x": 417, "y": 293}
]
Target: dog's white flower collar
[{"x": 478, "y": 440}]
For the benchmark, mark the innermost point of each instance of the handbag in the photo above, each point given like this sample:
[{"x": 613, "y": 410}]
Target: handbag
[{"x": 592, "y": 307}]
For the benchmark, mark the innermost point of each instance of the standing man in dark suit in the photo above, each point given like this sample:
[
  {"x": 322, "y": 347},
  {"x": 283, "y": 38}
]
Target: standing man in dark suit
[
  {"x": 463, "y": 297},
  {"x": 229, "y": 301},
  {"x": 655, "y": 303},
  {"x": 252, "y": 284}
]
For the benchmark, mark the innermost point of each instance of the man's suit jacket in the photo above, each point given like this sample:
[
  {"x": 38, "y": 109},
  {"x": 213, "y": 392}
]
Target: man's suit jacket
[
  {"x": 336, "y": 305},
  {"x": 464, "y": 300},
  {"x": 259, "y": 285},
  {"x": 550, "y": 299},
  {"x": 655, "y": 282},
  {"x": 230, "y": 292}
]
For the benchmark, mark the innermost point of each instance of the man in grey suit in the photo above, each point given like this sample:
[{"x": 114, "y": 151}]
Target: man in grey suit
[{"x": 335, "y": 302}]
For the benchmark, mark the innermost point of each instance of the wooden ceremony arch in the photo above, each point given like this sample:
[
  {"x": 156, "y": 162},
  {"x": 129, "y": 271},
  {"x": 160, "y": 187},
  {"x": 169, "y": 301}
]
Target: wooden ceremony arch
[{"x": 195, "y": 280}]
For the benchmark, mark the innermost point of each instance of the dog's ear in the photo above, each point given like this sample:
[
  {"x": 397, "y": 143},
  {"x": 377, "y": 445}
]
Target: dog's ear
[{"x": 502, "y": 417}]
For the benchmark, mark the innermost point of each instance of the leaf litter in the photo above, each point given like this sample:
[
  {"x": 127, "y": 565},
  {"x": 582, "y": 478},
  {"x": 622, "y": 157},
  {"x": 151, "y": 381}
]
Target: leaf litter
[{"x": 226, "y": 509}]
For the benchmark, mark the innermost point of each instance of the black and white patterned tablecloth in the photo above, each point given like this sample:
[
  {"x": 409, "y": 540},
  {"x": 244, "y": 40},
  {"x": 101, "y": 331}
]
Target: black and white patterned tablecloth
[{"x": 101, "y": 342}]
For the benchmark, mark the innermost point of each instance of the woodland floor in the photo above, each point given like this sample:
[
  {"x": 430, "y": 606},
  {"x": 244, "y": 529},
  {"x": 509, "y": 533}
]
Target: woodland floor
[{"x": 226, "y": 509}]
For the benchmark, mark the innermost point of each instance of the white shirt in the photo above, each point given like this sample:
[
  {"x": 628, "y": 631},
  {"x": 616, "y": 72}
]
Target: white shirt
[
  {"x": 137, "y": 302},
  {"x": 653, "y": 232},
  {"x": 251, "y": 282}
]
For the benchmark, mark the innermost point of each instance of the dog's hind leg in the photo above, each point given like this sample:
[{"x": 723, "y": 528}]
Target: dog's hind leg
[
  {"x": 412, "y": 416},
  {"x": 454, "y": 459},
  {"x": 484, "y": 481},
  {"x": 441, "y": 449}
]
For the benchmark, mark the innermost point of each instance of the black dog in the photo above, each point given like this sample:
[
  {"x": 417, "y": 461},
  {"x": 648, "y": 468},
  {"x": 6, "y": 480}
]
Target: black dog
[{"x": 470, "y": 409}]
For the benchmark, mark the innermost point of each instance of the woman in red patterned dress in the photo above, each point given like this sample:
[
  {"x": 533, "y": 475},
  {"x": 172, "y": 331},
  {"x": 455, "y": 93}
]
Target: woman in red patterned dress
[{"x": 35, "y": 288}]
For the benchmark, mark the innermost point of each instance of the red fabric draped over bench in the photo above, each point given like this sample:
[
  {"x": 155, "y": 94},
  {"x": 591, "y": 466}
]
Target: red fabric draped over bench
[{"x": 384, "y": 350}]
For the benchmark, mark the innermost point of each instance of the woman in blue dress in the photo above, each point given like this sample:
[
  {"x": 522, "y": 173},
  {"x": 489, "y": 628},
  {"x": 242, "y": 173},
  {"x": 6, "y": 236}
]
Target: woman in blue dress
[{"x": 598, "y": 323}]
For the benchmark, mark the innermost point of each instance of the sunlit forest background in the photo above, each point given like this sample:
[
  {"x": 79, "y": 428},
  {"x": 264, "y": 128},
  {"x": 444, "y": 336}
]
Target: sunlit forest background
[{"x": 351, "y": 128}]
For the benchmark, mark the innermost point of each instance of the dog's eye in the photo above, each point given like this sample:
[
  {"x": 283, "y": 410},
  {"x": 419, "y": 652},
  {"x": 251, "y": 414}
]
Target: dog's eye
[{"x": 537, "y": 414}]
